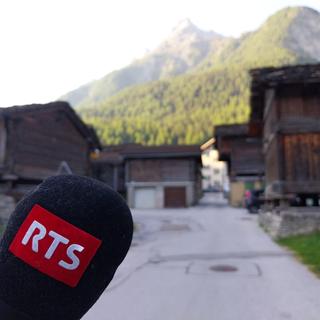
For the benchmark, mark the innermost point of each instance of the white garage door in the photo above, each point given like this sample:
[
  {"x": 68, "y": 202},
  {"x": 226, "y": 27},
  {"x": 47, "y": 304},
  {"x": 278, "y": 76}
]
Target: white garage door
[{"x": 145, "y": 198}]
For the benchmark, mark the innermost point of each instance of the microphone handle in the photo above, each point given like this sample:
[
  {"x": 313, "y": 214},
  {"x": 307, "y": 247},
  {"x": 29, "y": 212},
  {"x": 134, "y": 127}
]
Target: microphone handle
[{"x": 8, "y": 313}]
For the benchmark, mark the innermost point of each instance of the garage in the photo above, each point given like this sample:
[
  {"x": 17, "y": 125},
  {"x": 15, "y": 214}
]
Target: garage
[
  {"x": 162, "y": 176},
  {"x": 145, "y": 198},
  {"x": 175, "y": 197}
]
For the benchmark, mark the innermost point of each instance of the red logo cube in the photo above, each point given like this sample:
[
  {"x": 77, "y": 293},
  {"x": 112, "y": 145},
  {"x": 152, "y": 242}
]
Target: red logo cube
[{"x": 54, "y": 247}]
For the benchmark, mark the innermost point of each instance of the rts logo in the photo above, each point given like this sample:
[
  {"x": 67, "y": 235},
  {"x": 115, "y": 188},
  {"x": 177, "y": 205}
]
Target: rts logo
[{"x": 54, "y": 246}]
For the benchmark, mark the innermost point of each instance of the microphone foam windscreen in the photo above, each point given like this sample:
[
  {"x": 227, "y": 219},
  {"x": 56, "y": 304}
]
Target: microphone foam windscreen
[{"x": 61, "y": 248}]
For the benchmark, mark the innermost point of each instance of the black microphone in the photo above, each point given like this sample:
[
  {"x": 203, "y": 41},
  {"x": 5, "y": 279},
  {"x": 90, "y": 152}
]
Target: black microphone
[{"x": 61, "y": 248}]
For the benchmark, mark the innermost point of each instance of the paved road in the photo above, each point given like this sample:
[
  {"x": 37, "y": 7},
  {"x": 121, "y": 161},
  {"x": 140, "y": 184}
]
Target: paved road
[{"x": 203, "y": 263}]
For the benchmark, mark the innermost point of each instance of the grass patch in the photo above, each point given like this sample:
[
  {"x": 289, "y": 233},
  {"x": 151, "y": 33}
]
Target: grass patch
[{"x": 306, "y": 248}]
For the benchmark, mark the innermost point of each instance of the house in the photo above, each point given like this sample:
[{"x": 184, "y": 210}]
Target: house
[
  {"x": 240, "y": 146},
  {"x": 214, "y": 172},
  {"x": 38, "y": 141},
  {"x": 109, "y": 167},
  {"x": 163, "y": 176},
  {"x": 152, "y": 176},
  {"x": 286, "y": 102}
]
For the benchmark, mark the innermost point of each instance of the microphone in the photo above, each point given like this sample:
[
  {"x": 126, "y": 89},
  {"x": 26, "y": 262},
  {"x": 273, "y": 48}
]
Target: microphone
[{"x": 61, "y": 248}]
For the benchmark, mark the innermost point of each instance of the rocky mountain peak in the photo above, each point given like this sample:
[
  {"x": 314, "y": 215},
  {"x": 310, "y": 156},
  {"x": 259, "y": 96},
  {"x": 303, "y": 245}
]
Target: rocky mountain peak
[
  {"x": 290, "y": 36},
  {"x": 185, "y": 26}
]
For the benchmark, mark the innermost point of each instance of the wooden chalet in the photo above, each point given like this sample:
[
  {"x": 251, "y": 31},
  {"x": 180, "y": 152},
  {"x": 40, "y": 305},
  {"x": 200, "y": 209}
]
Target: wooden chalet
[
  {"x": 109, "y": 167},
  {"x": 241, "y": 147},
  {"x": 163, "y": 176},
  {"x": 152, "y": 176},
  {"x": 38, "y": 141},
  {"x": 286, "y": 103}
]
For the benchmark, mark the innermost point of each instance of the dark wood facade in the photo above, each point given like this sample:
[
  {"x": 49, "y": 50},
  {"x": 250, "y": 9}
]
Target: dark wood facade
[
  {"x": 109, "y": 168},
  {"x": 175, "y": 197},
  {"x": 147, "y": 170},
  {"x": 164, "y": 171},
  {"x": 38, "y": 141},
  {"x": 241, "y": 147},
  {"x": 286, "y": 102},
  {"x": 176, "y": 170}
]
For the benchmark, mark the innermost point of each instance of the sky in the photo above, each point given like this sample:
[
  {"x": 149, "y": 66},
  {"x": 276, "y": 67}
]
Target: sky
[{"x": 50, "y": 47}]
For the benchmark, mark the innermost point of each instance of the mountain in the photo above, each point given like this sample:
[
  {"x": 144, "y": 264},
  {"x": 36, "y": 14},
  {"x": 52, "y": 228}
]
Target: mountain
[
  {"x": 182, "y": 107},
  {"x": 184, "y": 49},
  {"x": 292, "y": 35}
]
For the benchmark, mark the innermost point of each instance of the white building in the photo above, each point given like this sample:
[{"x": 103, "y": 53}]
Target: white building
[{"x": 214, "y": 172}]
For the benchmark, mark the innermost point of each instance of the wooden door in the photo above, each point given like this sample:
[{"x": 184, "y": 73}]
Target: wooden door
[
  {"x": 175, "y": 197},
  {"x": 302, "y": 157}
]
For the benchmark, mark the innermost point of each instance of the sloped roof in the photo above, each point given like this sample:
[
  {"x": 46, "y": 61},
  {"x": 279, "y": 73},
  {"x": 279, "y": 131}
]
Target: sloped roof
[
  {"x": 138, "y": 151},
  {"x": 117, "y": 153},
  {"x": 111, "y": 157},
  {"x": 265, "y": 78},
  {"x": 86, "y": 131},
  {"x": 309, "y": 73},
  {"x": 231, "y": 130}
]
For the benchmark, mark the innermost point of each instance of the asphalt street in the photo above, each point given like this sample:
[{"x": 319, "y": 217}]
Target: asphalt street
[{"x": 207, "y": 262}]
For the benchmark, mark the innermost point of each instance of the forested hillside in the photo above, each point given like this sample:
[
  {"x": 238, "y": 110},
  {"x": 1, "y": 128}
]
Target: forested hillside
[
  {"x": 184, "y": 108},
  {"x": 180, "y": 110}
]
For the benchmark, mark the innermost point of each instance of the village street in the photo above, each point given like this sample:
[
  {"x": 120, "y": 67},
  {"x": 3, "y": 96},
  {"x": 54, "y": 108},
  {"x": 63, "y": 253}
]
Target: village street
[{"x": 207, "y": 262}]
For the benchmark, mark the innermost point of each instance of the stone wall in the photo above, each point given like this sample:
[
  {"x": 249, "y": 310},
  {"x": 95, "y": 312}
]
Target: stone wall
[{"x": 290, "y": 221}]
